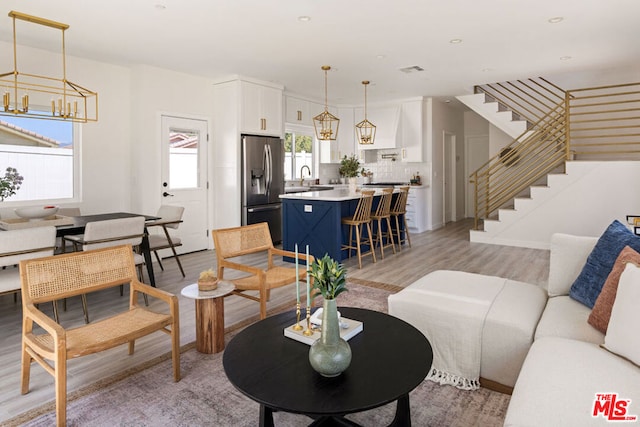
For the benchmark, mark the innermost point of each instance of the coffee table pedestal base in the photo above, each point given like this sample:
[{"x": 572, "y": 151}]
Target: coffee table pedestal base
[{"x": 401, "y": 419}]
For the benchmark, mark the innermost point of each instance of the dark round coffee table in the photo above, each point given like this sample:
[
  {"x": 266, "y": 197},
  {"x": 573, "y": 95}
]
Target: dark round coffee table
[{"x": 389, "y": 359}]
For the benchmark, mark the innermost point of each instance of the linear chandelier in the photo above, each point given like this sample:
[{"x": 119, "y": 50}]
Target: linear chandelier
[
  {"x": 365, "y": 130},
  {"x": 324, "y": 122},
  {"x": 67, "y": 100}
]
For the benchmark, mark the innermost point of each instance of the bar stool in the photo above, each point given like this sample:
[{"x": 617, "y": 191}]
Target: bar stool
[
  {"x": 400, "y": 210},
  {"x": 383, "y": 212},
  {"x": 360, "y": 218}
]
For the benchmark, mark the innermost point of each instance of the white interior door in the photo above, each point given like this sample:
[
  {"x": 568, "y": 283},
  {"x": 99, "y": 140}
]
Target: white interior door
[
  {"x": 476, "y": 155},
  {"x": 184, "y": 143}
]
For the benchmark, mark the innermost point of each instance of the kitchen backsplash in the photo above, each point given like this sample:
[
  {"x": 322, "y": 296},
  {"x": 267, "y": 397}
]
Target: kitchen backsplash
[{"x": 384, "y": 169}]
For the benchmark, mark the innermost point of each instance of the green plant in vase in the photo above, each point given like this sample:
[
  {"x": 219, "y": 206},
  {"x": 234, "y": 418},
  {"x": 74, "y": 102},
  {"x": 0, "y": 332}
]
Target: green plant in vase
[
  {"x": 10, "y": 183},
  {"x": 349, "y": 166},
  {"x": 330, "y": 355}
]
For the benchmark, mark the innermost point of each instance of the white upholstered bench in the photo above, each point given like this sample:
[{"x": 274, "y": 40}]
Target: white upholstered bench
[{"x": 478, "y": 326}]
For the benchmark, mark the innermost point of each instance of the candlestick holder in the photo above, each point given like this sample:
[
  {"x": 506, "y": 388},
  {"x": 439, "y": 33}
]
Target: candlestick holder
[
  {"x": 308, "y": 332},
  {"x": 297, "y": 326}
]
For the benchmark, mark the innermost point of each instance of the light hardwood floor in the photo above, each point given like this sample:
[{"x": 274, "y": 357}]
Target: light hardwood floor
[{"x": 446, "y": 248}]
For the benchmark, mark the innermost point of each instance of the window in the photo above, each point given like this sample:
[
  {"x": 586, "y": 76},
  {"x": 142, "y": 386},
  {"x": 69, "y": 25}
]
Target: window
[
  {"x": 44, "y": 153},
  {"x": 298, "y": 152}
]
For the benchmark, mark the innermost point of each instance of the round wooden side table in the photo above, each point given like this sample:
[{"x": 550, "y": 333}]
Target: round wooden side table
[{"x": 209, "y": 315}]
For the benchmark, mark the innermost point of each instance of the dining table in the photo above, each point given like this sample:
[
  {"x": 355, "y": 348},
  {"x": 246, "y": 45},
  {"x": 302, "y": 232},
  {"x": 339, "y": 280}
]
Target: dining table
[{"x": 80, "y": 222}]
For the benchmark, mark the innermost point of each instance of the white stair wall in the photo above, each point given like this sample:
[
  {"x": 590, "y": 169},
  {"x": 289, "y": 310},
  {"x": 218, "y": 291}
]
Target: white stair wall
[
  {"x": 582, "y": 201},
  {"x": 503, "y": 120}
]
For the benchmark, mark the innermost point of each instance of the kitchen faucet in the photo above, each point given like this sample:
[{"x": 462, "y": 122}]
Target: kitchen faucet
[{"x": 301, "y": 175}]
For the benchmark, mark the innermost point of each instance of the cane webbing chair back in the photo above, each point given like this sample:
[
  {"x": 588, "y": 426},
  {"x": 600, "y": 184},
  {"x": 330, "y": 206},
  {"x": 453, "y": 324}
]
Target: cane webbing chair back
[{"x": 231, "y": 243}]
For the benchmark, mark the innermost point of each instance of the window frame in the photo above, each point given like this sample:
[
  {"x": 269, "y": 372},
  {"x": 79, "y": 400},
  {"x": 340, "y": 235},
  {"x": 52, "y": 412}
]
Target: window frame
[
  {"x": 76, "y": 132},
  {"x": 315, "y": 158}
]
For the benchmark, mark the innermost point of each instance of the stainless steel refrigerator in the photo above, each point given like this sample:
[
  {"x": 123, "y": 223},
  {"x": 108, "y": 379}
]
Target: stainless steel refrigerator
[{"x": 263, "y": 182}]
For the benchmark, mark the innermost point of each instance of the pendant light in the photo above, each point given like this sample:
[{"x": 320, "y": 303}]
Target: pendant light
[
  {"x": 365, "y": 130},
  {"x": 69, "y": 101},
  {"x": 325, "y": 123}
]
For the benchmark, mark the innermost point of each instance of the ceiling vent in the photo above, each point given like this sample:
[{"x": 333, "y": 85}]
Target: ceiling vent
[{"x": 411, "y": 69}]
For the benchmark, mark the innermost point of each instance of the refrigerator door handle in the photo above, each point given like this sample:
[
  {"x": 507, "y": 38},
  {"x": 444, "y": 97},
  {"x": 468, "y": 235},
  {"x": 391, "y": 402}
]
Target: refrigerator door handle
[
  {"x": 264, "y": 208},
  {"x": 269, "y": 169}
]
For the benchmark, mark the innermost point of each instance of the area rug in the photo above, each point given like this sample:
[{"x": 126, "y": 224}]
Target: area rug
[{"x": 147, "y": 396}]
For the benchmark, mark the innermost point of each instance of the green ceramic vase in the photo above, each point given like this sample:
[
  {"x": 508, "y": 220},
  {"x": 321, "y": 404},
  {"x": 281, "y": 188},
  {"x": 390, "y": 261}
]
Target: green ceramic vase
[{"x": 330, "y": 355}]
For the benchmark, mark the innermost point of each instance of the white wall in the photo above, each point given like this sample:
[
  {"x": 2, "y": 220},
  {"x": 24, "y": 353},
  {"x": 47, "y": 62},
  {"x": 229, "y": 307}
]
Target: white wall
[
  {"x": 154, "y": 92},
  {"x": 583, "y": 201},
  {"x": 443, "y": 118}
]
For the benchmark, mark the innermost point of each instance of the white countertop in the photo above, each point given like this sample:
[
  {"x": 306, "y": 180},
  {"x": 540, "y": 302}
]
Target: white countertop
[{"x": 336, "y": 195}]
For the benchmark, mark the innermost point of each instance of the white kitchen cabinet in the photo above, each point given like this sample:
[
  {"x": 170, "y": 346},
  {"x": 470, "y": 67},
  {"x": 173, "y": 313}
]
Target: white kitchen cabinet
[
  {"x": 417, "y": 209},
  {"x": 261, "y": 109},
  {"x": 301, "y": 111},
  {"x": 411, "y": 131},
  {"x": 386, "y": 119}
]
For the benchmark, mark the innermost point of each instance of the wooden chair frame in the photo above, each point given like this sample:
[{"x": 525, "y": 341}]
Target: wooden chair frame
[
  {"x": 61, "y": 276},
  {"x": 251, "y": 239}
]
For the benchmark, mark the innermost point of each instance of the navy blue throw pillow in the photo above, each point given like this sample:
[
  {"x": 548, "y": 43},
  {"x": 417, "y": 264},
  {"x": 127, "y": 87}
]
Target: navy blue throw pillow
[{"x": 588, "y": 285}]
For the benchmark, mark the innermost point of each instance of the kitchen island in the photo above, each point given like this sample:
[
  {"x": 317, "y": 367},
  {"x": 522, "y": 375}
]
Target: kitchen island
[{"x": 313, "y": 218}]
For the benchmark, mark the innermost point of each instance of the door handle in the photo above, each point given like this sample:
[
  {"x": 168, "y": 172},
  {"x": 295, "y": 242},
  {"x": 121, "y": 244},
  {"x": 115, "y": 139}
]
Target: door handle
[{"x": 165, "y": 194}]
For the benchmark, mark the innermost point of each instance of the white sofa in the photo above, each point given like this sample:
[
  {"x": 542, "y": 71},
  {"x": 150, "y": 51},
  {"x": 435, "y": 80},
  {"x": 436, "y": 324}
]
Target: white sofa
[{"x": 564, "y": 367}]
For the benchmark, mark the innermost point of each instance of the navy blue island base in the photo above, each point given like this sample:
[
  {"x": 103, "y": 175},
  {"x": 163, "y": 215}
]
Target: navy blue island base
[{"x": 314, "y": 218}]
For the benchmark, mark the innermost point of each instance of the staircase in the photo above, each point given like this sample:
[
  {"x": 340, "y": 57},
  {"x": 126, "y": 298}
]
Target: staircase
[{"x": 551, "y": 128}]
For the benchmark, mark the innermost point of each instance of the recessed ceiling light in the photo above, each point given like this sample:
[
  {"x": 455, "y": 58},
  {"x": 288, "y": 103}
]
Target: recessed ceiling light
[
  {"x": 565, "y": 58},
  {"x": 381, "y": 56},
  {"x": 447, "y": 101},
  {"x": 160, "y": 6},
  {"x": 304, "y": 18},
  {"x": 486, "y": 70},
  {"x": 555, "y": 20},
  {"x": 455, "y": 41}
]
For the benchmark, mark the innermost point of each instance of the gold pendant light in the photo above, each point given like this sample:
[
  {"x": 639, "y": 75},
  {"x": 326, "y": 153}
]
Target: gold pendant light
[
  {"x": 365, "y": 130},
  {"x": 62, "y": 99},
  {"x": 325, "y": 123}
]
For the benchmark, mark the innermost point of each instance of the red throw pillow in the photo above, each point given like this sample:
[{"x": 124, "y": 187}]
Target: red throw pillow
[{"x": 599, "y": 317}]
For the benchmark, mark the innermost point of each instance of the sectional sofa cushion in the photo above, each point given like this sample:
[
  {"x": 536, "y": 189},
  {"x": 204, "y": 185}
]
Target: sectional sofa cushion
[
  {"x": 559, "y": 381},
  {"x": 588, "y": 285},
  {"x": 568, "y": 256},
  {"x": 622, "y": 336},
  {"x": 599, "y": 317},
  {"x": 566, "y": 318}
]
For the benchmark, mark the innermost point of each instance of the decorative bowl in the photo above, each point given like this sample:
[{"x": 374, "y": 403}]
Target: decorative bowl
[{"x": 36, "y": 213}]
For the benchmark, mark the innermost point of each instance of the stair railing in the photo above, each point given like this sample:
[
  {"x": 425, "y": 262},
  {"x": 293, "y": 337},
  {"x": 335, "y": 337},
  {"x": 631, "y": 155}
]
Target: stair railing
[
  {"x": 601, "y": 123},
  {"x": 520, "y": 164},
  {"x": 529, "y": 99}
]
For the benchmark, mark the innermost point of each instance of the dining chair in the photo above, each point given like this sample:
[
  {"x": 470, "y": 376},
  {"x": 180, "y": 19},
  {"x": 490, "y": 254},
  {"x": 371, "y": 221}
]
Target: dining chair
[
  {"x": 111, "y": 232},
  {"x": 381, "y": 215},
  {"x": 357, "y": 223},
  {"x": 170, "y": 218},
  {"x": 61, "y": 246},
  {"x": 398, "y": 210},
  {"x": 17, "y": 245}
]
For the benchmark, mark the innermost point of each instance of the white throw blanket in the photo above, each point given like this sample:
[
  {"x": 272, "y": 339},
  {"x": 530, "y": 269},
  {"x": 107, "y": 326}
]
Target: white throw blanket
[{"x": 456, "y": 339}]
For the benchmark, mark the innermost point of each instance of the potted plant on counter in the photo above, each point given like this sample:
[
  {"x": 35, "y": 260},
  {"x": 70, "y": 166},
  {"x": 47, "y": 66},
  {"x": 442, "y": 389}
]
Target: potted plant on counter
[
  {"x": 349, "y": 168},
  {"x": 330, "y": 355}
]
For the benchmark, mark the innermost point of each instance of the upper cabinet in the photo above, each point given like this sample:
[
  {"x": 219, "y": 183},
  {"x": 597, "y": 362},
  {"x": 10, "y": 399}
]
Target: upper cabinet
[
  {"x": 411, "y": 131},
  {"x": 300, "y": 111},
  {"x": 261, "y": 109},
  {"x": 386, "y": 119}
]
